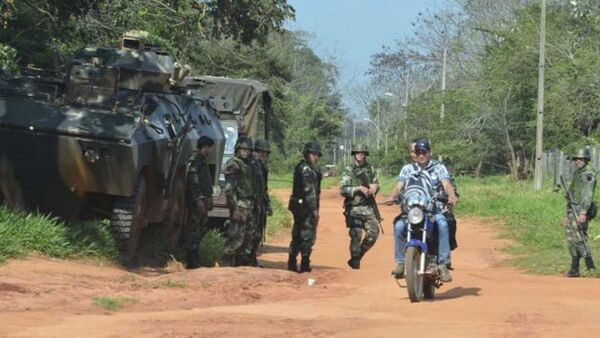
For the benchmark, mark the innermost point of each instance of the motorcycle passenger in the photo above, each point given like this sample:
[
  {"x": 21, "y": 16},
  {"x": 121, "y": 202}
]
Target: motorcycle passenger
[
  {"x": 438, "y": 174},
  {"x": 359, "y": 185}
]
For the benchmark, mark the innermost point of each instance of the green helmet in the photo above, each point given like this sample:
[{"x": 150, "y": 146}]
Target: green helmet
[
  {"x": 360, "y": 148},
  {"x": 583, "y": 153},
  {"x": 262, "y": 145},
  {"x": 243, "y": 142},
  {"x": 312, "y": 147}
]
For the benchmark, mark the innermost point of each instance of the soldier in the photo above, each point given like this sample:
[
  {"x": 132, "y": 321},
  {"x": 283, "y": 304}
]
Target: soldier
[
  {"x": 262, "y": 208},
  {"x": 582, "y": 192},
  {"x": 359, "y": 187},
  {"x": 304, "y": 204},
  {"x": 198, "y": 200},
  {"x": 240, "y": 193}
]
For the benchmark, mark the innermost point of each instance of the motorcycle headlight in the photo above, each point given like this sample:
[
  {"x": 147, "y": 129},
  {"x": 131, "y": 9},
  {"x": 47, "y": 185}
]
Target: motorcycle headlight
[{"x": 415, "y": 216}]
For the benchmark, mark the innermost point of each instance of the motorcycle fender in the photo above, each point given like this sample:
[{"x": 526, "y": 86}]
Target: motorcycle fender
[{"x": 417, "y": 243}]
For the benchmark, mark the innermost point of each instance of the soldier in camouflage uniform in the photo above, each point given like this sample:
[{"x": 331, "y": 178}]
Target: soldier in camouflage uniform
[
  {"x": 240, "y": 193},
  {"x": 582, "y": 191},
  {"x": 262, "y": 207},
  {"x": 358, "y": 185},
  {"x": 198, "y": 200},
  {"x": 304, "y": 204}
]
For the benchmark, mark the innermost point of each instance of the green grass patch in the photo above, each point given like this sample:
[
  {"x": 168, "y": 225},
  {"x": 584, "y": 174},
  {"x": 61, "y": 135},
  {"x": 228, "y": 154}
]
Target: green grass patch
[
  {"x": 281, "y": 218},
  {"x": 172, "y": 284},
  {"x": 530, "y": 219},
  {"x": 22, "y": 233},
  {"x": 211, "y": 248},
  {"x": 113, "y": 303}
]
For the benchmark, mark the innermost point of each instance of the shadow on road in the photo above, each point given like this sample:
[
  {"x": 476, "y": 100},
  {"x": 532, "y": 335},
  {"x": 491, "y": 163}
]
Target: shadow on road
[{"x": 458, "y": 292}]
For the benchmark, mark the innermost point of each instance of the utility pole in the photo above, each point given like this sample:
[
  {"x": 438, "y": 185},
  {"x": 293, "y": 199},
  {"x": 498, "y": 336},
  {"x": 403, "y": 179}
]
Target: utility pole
[
  {"x": 378, "y": 125},
  {"x": 538, "y": 176},
  {"x": 442, "y": 113},
  {"x": 405, "y": 106}
]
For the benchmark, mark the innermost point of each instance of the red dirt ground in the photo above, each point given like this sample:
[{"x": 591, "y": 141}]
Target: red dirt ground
[{"x": 41, "y": 297}]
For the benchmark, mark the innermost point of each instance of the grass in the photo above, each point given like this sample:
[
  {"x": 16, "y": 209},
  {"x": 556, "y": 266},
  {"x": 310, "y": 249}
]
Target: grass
[
  {"x": 113, "y": 303},
  {"x": 21, "y": 233},
  {"x": 172, "y": 284},
  {"x": 211, "y": 248},
  {"x": 281, "y": 218}
]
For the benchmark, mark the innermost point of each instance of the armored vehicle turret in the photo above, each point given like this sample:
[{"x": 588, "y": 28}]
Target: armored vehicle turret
[{"x": 109, "y": 138}]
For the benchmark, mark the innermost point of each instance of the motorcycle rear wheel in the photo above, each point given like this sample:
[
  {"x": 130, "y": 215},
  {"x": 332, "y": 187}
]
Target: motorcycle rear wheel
[{"x": 414, "y": 281}]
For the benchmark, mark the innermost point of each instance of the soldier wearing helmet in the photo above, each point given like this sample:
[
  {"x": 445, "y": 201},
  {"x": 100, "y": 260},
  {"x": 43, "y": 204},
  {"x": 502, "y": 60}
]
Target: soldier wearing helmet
[
  {"x": 359, "y": 185},
  {"x": 262, "y": 208},
  {"x": 304, "y": 205},
  {"x": 198, "y": 199},
  {"x": 240, "y": 192},
  {"x": 582, "y": 189}
]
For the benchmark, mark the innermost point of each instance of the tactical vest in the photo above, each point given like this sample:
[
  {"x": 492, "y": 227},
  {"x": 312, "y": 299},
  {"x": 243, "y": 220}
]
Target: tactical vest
[
  {"x": 364, "y": 176},
  {"x": 245, "y": 185}
]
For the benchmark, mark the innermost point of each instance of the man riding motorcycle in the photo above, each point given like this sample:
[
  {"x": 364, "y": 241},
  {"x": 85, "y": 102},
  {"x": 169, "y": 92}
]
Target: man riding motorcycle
[{"x": 437, "y": 174}]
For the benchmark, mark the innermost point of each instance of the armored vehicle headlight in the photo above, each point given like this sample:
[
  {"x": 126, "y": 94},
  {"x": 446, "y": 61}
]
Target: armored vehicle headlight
[{"x": 415, "y": 216}]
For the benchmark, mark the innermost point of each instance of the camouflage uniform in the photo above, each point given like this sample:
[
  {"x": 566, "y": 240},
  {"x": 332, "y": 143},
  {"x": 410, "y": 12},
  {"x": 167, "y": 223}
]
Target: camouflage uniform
[
  {"x": 359, "y": 215},
  {"x": 262, "y": 202},
  {"x": 582, "y": 189},
  {"x": 304, "y": 204},
  {"x": 198, "y": 190},
  {"x": 240, "y": 193}
]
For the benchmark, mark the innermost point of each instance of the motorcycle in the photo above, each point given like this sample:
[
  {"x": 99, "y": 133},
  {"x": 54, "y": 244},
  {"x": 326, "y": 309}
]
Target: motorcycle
[{"x": 421, "y": 269}]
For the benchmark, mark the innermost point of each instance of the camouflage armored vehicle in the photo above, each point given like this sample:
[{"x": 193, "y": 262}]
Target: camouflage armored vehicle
[
  {"x": 109, "y": 138},
  {"x": 242, "y": 103}
]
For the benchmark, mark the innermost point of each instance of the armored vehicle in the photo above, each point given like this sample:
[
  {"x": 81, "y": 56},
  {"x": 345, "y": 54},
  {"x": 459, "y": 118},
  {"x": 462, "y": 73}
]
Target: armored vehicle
[
  {"x": 110, "y": 137},
  {"x": 243, "y": 105}
]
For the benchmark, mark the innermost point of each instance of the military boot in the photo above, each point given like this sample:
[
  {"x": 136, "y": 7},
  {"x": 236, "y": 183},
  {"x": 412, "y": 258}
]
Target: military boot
[
  {"x": 192, "y": 259},
  {"x": 292, "y": 263},
  {"x": 354, "y": 263},
  {"x": 445, "y": 275},
  {"x": 305, "y": 264},
  {"x": 589, "y": 264},
  {"x": 574, "y": 272}
]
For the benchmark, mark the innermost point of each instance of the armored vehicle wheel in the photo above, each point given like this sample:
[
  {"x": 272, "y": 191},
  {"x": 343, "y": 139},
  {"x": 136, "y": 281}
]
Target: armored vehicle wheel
[
  {"x": 414, "y": 281},
  {"x": 128, "y": 220},
  {"x": 177, "y": 212}
]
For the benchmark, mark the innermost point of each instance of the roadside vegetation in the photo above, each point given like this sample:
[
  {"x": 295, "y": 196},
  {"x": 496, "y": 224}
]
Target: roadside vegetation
[{"x": 113, "y": 303}]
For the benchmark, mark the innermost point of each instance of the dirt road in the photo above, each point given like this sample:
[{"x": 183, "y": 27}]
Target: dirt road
[{"x": 53, "y": 298}]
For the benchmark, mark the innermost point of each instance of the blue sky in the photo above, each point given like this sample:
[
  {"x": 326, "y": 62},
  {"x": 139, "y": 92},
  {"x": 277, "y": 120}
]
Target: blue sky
[{"x": 352, "y": 30}]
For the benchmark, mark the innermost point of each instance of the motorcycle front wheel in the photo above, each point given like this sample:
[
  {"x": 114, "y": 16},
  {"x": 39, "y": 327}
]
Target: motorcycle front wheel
[{"x": 414, "y": 281}]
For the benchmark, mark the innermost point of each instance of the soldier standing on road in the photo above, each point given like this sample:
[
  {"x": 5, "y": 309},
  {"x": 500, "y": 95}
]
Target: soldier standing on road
[
  {"x": 359, "y": 186},
  {"x": 262, "y": 208},
  {"x": 582, "y": 189},
  {"x": 240, "y": 193},
  {"x": 198, "y": 200},
  {"x": 304, "y": 204}
]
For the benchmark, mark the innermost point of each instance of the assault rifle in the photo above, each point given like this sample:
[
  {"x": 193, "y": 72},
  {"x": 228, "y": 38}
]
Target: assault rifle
[
  {"x": 371, "y": 200},
  {"x": 574, "y": 212}
]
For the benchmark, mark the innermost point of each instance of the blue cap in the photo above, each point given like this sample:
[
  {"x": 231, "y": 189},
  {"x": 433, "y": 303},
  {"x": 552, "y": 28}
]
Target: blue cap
[{"x": 422, "y": 145}]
